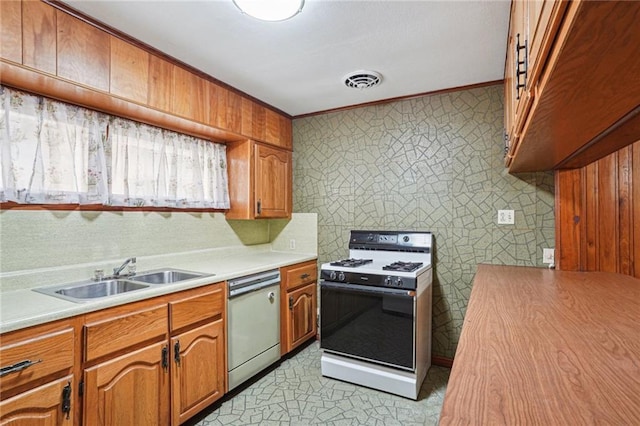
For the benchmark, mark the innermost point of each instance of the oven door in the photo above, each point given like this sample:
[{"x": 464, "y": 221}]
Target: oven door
[{"x": 370, "y": 323}]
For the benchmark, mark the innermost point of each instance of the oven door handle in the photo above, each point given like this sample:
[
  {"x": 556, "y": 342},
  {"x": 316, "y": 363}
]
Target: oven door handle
[{"x": 355, "y": 288}]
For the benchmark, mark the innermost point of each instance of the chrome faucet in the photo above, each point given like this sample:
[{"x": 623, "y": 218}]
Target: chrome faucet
[{"x": 132, "y": 267}]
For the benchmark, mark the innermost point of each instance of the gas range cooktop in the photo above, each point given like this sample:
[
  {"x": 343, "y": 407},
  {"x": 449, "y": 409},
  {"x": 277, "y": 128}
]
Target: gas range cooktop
[{"x": 382, "y": 259}]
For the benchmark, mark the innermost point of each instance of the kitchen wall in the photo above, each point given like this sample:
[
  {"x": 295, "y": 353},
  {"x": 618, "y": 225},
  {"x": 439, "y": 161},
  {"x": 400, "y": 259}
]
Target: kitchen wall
[
  {"x": 432, "y": 163},
  {"x": 596, "y": 214},
  {"x": 63, "y": 243}
]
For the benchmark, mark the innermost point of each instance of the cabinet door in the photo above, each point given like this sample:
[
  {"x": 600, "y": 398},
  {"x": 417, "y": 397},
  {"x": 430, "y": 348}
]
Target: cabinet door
[
  {"x": 132, "y": 389},
  {"x": 39, "y": 36},
  {"x": 129, "y": 77},
  {"x": 302, "y": 315},
  {"x": 42, "y": 406},
  {"x": 11, "y": 30},
  {"x": 83, "y": 52},
  {"x": 198, "y": 370},
  {"x": 273, "y": 182}
]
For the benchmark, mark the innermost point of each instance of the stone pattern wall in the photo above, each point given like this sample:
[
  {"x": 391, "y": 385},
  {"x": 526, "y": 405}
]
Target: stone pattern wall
[{"x": 433, "y": 163}]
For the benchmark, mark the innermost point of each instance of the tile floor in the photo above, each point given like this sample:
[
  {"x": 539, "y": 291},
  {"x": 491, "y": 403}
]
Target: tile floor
[{"x": 294, "y": 393}]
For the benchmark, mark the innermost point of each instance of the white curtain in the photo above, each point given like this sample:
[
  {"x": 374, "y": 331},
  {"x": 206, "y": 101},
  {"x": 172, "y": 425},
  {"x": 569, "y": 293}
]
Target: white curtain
[
  {"x": 155, "y": 167},
  {"x": 52, "y": 152}
]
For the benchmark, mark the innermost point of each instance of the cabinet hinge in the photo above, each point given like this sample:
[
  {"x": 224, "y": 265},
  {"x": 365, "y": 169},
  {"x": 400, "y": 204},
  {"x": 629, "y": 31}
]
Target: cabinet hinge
[{"x": 81, "y": 388}]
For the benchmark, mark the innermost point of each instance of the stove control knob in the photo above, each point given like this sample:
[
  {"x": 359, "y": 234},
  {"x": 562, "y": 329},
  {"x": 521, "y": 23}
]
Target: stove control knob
[
  {"x": 333, "y": 275},
  {"x": 388, "y": 281},
  {"x": 341, "y": 276},
  {"x": 399, "y": 282},
  {"x": 405, "y": 239}
]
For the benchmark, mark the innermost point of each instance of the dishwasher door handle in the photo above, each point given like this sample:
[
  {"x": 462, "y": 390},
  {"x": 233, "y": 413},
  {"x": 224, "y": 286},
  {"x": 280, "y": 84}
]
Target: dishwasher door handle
[{"x": 235, "y": 292}]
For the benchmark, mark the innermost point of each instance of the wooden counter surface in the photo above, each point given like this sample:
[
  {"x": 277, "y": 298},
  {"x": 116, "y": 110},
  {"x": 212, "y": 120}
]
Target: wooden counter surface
[{"x": 547, "y": 347}]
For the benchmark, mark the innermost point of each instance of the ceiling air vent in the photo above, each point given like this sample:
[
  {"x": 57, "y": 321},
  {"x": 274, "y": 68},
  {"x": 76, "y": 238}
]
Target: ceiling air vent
[{"x": 362, "y": 79}]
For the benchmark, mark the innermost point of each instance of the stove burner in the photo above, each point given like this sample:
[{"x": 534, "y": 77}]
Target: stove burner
[
  {"x": 403, "y": 266},
  {"x": 351, "y": 263}
]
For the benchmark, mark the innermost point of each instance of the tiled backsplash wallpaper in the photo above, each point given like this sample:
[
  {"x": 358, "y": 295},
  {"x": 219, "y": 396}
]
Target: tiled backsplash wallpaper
[{"x": 433, "y": 163}]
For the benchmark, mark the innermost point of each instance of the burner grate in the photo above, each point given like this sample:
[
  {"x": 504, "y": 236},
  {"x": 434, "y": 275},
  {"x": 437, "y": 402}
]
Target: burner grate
[
  {"x": 403, "y": 266},
  {"x": 351, "y": 263}
]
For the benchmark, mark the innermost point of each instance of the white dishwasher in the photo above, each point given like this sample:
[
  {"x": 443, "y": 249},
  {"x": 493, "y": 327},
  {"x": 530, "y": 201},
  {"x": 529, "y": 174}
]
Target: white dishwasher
[{"x": 253, "y": 325}]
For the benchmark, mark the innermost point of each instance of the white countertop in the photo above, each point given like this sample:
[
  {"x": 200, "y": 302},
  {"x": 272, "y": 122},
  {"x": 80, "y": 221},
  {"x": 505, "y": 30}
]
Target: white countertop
[{"x": 25, "y": 308}]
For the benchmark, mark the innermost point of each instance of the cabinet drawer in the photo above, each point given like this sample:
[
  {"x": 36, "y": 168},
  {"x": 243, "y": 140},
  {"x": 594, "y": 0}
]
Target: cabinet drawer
[
  {"x": 124, "y": 330},
  {"x": 50, "y": 353},
  {"x": 301, "y": 274},
  {"x": 200, "y": 306}
]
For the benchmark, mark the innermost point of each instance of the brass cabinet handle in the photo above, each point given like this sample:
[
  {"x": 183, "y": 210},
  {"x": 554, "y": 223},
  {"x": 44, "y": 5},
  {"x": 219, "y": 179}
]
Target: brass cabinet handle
[
  {"x": 18, "y": 366},
  {"x": 304, "y": 276}
]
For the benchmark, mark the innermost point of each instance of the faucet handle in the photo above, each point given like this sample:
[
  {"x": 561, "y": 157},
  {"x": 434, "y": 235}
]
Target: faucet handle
[
  {"x": 131, "y": 267},
  {"x": 98, "y": 275}
]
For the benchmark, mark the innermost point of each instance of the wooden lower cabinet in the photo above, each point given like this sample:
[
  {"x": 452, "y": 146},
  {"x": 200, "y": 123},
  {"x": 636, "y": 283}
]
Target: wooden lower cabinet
[
  {"x": 198, "y": 360},
  {"x": 178, "y": 371},
  {"x": 41, "y": 406},
  {"x": 38, "y": 385},
  {"x": 132, "y": 389},
  {"x": 298, "y": 302},
  {"x": 302, "y": 315}
]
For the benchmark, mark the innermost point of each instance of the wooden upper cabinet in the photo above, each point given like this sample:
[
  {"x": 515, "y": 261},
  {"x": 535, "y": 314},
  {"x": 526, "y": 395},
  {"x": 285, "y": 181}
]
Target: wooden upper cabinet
[
  {"x": 11, "y": 30},
  {"x": 265, "y": 125},
  {"x": 273, "y": 182},
  {"x": 190, "y": 95},
  {"x": 543, "y": 21},
  {"x": 587, "y": 94},
  {"x": 129, "y": 71},
  {"x": 160, "y": 83},
  {"x": 83, "y": 52},
  {"x": 259, "y": 181},
  {"x": 225, "y": 108},
  {"x": 254, "y": 118},
  {"x": 48, "y": 51},
  {"x": 39, "y": 36}
]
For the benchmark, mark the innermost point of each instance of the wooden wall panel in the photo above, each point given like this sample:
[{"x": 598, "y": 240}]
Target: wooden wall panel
[
  {"x": 598, "y": 215},
  {"x": 625, "y": 214},
  {"x": 590, "y": 209},
  {"x": 568, "y": 203}
]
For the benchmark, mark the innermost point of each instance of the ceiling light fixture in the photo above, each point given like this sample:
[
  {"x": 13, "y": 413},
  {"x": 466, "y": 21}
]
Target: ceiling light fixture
[{"x": 270, "y": 10}]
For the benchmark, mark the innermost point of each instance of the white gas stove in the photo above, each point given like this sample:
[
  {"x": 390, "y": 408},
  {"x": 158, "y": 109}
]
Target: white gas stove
[{"x": 375, "y": 312}]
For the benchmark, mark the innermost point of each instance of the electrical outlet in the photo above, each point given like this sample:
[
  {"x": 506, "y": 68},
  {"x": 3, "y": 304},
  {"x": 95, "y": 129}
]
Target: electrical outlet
[
  {"x": 506, "y": 217},
  {"x": 548, "y": 256},
  {"x": 292, "y": 244}
]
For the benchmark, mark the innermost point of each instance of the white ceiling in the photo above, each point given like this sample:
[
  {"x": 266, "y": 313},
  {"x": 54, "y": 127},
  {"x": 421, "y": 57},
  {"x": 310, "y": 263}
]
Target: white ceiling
[{"x": 298, "y": 65}]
